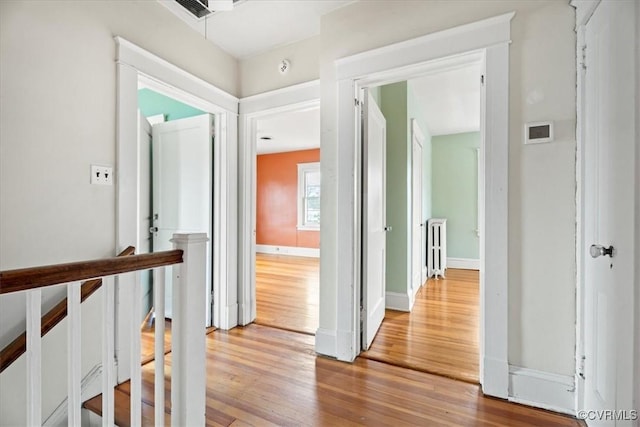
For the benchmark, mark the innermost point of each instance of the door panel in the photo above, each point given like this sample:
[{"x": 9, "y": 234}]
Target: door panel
[
  {"x": 609, "y": 205},
  {"x": 143, "y": 245},
  {"x": 374, "y": 219},
  {"x": 182, "y": 186}
]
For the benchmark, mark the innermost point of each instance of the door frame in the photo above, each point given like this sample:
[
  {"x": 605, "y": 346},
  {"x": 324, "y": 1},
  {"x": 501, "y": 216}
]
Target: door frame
[
  {"x": 253, "y": 108},
  {"x": 489, "y": 38},
  {"x": 584, "y": 11},
  {"x": 417, "y": 135},
  {"x": 134, "y": 64}
]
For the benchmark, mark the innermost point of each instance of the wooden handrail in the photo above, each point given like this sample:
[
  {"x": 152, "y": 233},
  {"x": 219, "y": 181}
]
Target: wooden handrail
[
  {"x": 39, "y": 277},
  {"x": 18, "y": 346}
]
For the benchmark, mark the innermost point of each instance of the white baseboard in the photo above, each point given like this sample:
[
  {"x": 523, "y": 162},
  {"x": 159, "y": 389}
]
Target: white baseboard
[
  {"x": 326, "y": 342},
  {"x": 397, "y": 301},
  {"x": 288, "y": 250},
  {"x": 542, "y": 389},
  {"x": 91, "y": 386},
  {"x": 463, "y": 263}
]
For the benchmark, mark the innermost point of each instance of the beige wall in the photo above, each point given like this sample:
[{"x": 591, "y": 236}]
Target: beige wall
[
  {"x": 541, "y": 178},
  {"x": 57, "y": 116}
]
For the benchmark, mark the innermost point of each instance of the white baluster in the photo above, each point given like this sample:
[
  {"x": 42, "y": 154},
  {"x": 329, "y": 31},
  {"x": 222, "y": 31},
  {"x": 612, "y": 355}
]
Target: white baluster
[
  {"x": 188, "y": 341},
  {"x": 74, "y": 357},
  {"x": 108, "y": 351},
  {"x": 136, "y": 368},
  {"x": 158, "y": 310},
  {"x": 34, "y": 358}
]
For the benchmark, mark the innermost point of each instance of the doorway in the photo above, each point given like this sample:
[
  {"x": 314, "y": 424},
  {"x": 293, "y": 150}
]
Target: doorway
[
  {"x": 489, "y": 39},
  {"x": 432, "y": 174},
  {"x": 287, "y": 203}
]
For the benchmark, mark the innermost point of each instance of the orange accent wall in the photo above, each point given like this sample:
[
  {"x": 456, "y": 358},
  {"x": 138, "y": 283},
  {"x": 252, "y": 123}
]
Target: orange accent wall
[{"x": 277, "y": 204}]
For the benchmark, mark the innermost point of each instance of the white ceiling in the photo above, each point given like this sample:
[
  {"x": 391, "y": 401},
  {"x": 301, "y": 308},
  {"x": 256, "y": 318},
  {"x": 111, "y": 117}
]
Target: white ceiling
[
  {"x": 256, "y": 26},
  {"x": 450, "y": 100},
  {"x": 291, "y": 131}
]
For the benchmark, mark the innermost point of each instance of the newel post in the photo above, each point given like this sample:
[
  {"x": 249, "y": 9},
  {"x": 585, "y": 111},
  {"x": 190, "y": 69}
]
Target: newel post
[{"x": 188, "y": 348}]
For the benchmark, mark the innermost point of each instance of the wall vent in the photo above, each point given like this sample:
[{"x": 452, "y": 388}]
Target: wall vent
[{"x": 197, "y": 8}]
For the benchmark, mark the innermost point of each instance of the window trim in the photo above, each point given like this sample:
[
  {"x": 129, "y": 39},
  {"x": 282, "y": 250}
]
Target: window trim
[{"x": 303, "y": 168}]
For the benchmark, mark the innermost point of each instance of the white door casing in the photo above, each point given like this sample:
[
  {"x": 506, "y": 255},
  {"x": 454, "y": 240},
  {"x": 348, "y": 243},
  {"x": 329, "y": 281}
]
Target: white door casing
[
  {"x": 182, "y": 187},
  {"x": 293, "y": 98},
  {"x": 133, "y": 66},
  {"x": 608, "y": 209},
  {"x": 487, "y": 41},
  {"x": 374, "y": 148},
  {"x": 418, "y": 228}
]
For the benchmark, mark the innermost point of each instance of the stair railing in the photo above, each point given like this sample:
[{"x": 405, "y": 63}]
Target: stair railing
[{"x": 187, "y": 264}]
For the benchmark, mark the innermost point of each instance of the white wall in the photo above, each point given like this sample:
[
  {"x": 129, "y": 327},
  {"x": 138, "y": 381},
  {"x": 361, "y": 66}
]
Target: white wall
[
  {"x": 259, "y": 73},
  {"x": 57, "y": 116},
  {"x": 541, "y": 179}
]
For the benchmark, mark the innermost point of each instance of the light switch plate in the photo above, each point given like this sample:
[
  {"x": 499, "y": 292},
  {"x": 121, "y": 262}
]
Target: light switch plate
[{"x": 101, "y": 175}]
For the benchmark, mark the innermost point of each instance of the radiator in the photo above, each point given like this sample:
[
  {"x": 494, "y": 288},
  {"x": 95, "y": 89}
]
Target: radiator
[{"x": 436, "y": 247}]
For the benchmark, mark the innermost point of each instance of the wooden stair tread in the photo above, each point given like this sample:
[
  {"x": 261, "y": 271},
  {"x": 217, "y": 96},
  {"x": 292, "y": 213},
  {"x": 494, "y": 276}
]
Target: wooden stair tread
[{"x": 123, "y": 409}]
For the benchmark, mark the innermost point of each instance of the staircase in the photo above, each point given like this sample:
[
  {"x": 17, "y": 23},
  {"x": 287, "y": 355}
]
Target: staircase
[{"x": 131, "y": 402}]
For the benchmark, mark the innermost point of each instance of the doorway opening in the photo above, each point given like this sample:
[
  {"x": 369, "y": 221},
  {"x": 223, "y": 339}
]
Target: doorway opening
[
  {"x": 176, "y": 195},
  {"x": 287, "y": 225},
  {"x": 431, "y": 230}
]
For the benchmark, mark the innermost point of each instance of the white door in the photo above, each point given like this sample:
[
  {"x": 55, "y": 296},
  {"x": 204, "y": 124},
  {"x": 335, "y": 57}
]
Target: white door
[
  {"x": 143, "y": 243},
  {"x": 182, "y": 187},
  {"x": 416, "y": 210},
  {"x": 374, "y": 148},
  {"x": 609, "y": 209}
]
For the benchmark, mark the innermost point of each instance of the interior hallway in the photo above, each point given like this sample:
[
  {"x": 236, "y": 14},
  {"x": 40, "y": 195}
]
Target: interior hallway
[
  {"x": 262, "y": 376},
  {"x": 440, "y": 335},
  {"x": 287, "y": 293}
]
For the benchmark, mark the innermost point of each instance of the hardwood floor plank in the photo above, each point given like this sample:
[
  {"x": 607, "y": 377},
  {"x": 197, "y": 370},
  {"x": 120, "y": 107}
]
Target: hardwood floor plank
[
  {"x": 262, "y": 376},
  {"x": 440, "y": 335},
  {"x": 287, "y": 292}
]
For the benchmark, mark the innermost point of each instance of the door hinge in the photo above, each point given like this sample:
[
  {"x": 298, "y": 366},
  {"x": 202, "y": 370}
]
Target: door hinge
[
  {"x": 583, "y": 59},
  {"x": 581, "y": 367},
  {"x": 482, "y": 79},
  {"x": 358, "y": 103},
  {"x": 361, "y": 314}
]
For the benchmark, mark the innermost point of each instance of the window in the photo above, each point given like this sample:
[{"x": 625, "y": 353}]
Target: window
[{"x": 308, "y": 196}]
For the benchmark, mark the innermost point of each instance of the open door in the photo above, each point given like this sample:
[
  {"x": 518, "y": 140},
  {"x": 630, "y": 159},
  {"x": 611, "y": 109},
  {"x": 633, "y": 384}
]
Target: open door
[
  {"x": 143, "y": 243},
  {"x": 182, "y": 188},
  {"x": 374, "y": 148},
  {"x": 609, "y": 211}
]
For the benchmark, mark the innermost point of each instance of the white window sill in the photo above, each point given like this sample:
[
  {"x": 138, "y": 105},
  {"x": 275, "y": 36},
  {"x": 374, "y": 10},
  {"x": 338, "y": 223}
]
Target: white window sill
[{"x": 307, "y": 228}]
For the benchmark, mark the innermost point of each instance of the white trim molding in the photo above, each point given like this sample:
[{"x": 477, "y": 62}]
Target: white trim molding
[
  {"x": 463, "y": 263},
  {"x": 398, "y": 301},
  {"x": 486, "y": 41},
  {"x": 135, "y": 65},
  {"x": 288, "y": 250},
  {"x": 326, "y": 342},
  {"x": 542, "y": 389}
]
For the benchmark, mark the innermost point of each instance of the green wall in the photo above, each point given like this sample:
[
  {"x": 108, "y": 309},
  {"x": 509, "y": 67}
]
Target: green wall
[
  {"x": 399, "y": 106},
  {"x": 455, "y": 191},
  {"x": 393, "y": 104},
  {"x": 152, "y": 103}
]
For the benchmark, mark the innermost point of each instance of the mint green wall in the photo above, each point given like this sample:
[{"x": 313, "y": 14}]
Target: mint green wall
[
  {"x": 415, "y": 112},
  {"x": 455, "y": 191},
  {"x": 393, "y": 104},
  {"x": 152, "y": 103}
]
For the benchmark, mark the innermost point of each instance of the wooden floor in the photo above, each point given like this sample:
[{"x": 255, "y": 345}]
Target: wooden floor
[
  {"x": 440, "y": 335},
  {"x": 263, "y": 376},
  {"x": 287, "y": 292}
]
